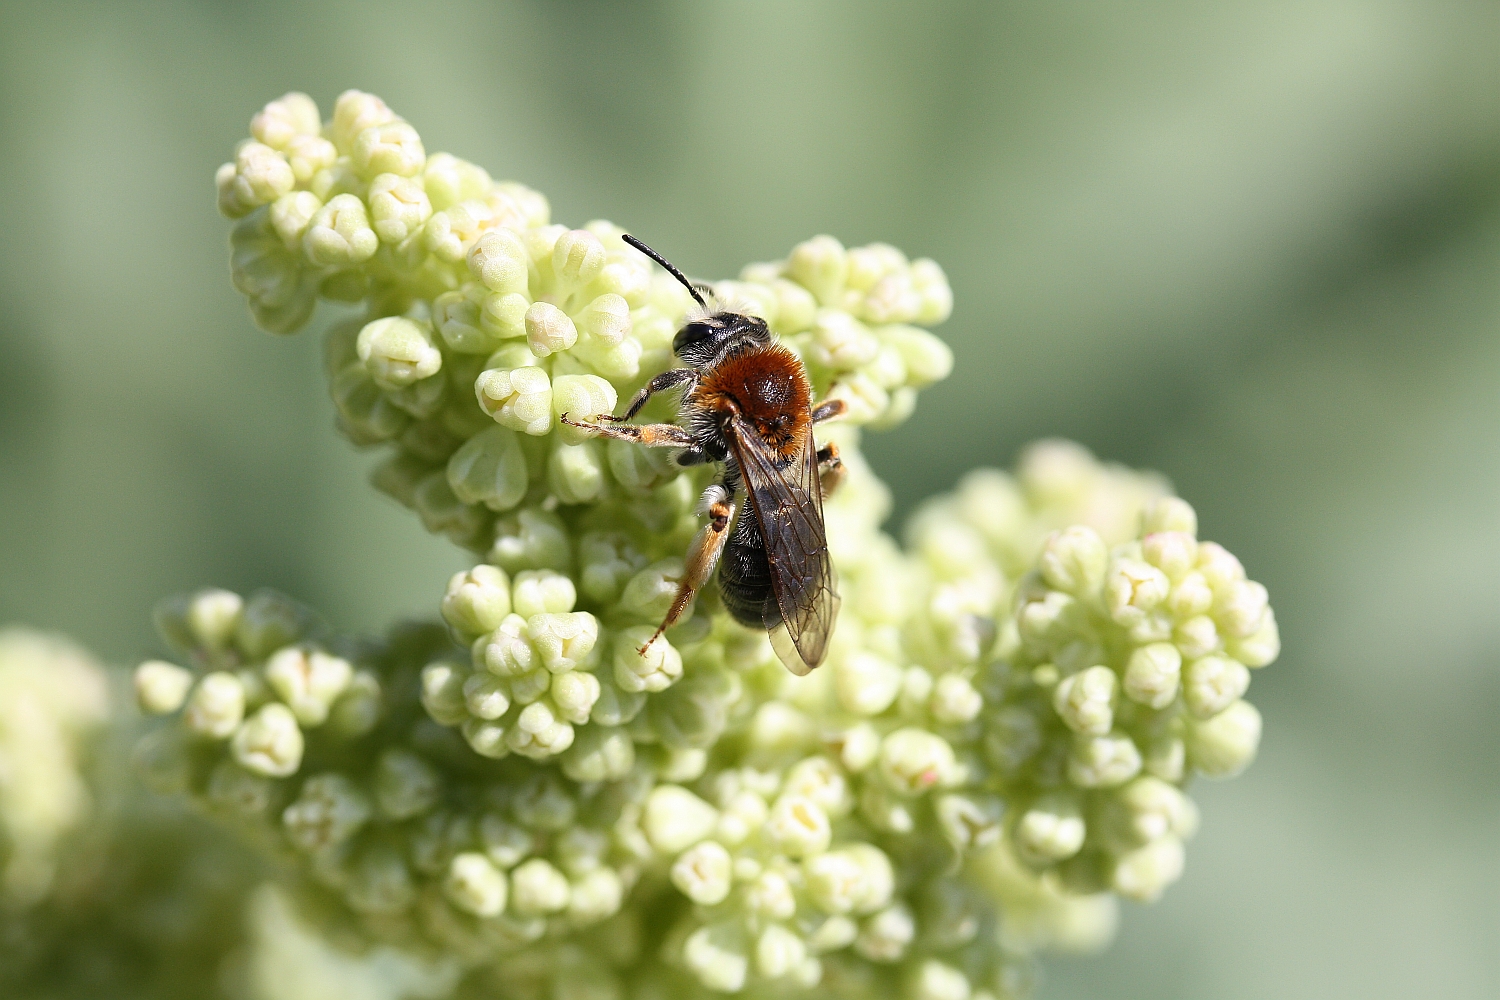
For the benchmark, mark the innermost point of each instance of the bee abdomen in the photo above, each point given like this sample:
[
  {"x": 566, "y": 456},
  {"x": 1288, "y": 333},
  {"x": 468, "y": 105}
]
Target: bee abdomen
[{"x": 745, "y": 575}]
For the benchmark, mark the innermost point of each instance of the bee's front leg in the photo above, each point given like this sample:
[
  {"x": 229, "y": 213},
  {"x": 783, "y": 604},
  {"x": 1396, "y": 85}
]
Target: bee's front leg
[
  {"x": 650, "y": 435},
  {"x": 703, "y": 555}
]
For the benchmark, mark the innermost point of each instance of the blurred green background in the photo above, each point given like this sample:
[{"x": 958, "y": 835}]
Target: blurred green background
[{"x": 1255, "y": 246}]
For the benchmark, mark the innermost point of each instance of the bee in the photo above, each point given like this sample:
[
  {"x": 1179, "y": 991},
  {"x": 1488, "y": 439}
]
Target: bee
[{"x": 747, "y": 405}]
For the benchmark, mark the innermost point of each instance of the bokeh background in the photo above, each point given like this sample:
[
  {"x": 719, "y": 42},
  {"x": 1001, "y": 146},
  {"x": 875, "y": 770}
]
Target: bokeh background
[{"x": 1255, "y": 246}]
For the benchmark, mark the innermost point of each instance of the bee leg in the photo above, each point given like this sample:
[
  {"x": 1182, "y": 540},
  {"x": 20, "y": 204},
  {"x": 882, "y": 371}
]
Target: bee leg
[
  {"x": 650, "y": 435},
  {"x": 669, "y": 379},
  {"x": 702, "y": 557},
  {"x": 830, "y": 468},
  {"x": 828, "y": 409}
]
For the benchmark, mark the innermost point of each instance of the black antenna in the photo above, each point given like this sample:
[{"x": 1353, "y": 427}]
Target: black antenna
[{"x": 643, "y": 248}]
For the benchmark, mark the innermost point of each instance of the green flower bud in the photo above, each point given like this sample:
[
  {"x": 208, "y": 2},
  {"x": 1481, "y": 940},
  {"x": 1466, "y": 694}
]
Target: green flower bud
[
  {"x": 474, "y": 885},
  {"x": 212, "y": 617},
  {"x": 1260, "y": 648},
  {"x": 405, "y": 784},
  {"x": 1085, "y": 701},
  {"x": 504, "y": 315},
  {"x": 606, "y": 320},
  {"x": 537, "y": 888},
  {"x": 268, "y": 622},
  {"x": 596, "y": 896},
  {"x": 238, "y": 792},
  {"x": 216, "y": 707},
  {"x": 1051, "y": 830},
  {"x": 675, "y": 819},
  {"x": 478, "y": 599},
  {"x": 856, "y": 879},
  {"x": 955, "y": 701},
  {"x": 914, "y": 760},
  {"x": 380, "y": 883},
  {"x": 269, "y": 743},
  {"x": 161, "y": 688},
  {"x": 1145, "y": 872},
  {"x": 399, "y": 207},
  {"x": 340, "y": 234},
  {"x": 702, "y": 873},
  {"x": 1073, "y": 560},
  {"x": 291, "y": 214},
  {"x": 549, "y": 330},
  {"x": 1224, "y": 745},
  {"x": 328, "y": 812},
  {"x": 449, "y": 180},
  {"x": 490, "y": 469},
  {"x": 581, "y": 397},
  {"x": 1144, "y": 810},
  {"x": 456, "y": 315},
  {"x": 650, "y": 593},
  {"x": 1103, "y": 761},
  {"x": 283, "y": 119},
  {"x": 1152, "y": 674},
  {"x": 308, "y": 681},
  {"x": 389, "y": 148},
  {"x": 366, "y": 414},
  {"x": 452, "y": 231},
  {"x": 398, "y": 351},
  {"x": 969, "y": 822},
  {"x": 599, "y": 754},
  {"x": 358, "y": 708},
  {"x": 563, "y": 641},
  {"x": 716, "y": 956},
  {"x": 518, "y": 398},
  {"x": 539, "y": 592},
  {"x": 485, "y": 697},
  {"x": 540, "y": 731}
]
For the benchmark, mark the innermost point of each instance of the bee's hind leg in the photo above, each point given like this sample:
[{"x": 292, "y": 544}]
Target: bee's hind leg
[
  {"x": 831, "y": 469},
  {"x": 718, "y": 503}
]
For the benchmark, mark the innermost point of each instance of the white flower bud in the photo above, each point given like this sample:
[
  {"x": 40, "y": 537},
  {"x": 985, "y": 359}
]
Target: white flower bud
[
  {"x": 1132, "y": 588},
  {"x": 606, "y": 320},
  {"x": 549, "y": 330},
  {"x": 954, "y": 700},
  {"x": 798, "y": 826},
  {"x": 599, "y": 754},
  {"x": 1051, "y": 830},
  {"x": 308, "y": 681},
  {"x": 1196, "y": 637},
  {"x": 778, "y": 952},
  {"x": 451, "y": 232},
  {"x": 576, "y": 472},
  {"x": 771, "y": 896},
  {"x": 398, "y": 208},
  {"x": 355, "y": 111},
  {"x": 1085, "y": 700},
  {"x": 1144, "y": 810},
  {"x": 213, "y": 616},
  {"x": 538, "y": 592},
  {"x": 885, "y": 936},
  {"x": 443, "y": 693},
  {"x": 1224, "y": 745},
  {"x": 820, "y": 265},
  {"x": 537, "y": 888},
  {"x": 398, "y": 351},
  {"x": 596, "y": 896},
  {"x": 160, "y": 687},
  {"x": 1103, "y": 761},
  {"x": 518, "y": 398},
  {"x": 969, "y": 821},
  {"x": 914, "y": 760},
  {"x": 485, "y": 696},
  {"x": 575, "y": 693},
  {"x": 1212, "y": 684},
  {"x": 577, "y": 258},
  {"x": 1219, "y": 566},
  {"x": 1145, "y": 872},
  {"x": 405, "y": 784},
  {"x": 291, "y": 214},
  {"x": 1169, "y": 514},
  {"x": 1074, "y": 560},
  {"x": 449, "y": 180},
  {"x": 716, "y": 956},
  {"x": 934, "y": 980},
  {"x": 540, "y": 731},
  {"x": 1240, "y": 608},
  {"x": 856, "y": 879},
  {"x": 281, "y": 120},
  {"x": 702, "y": 873},
  {"x": 269, "y": 743},
  {"x": 743, "y": 815},
  {"x": 1172, "y": 552},
  {"x": 581, "y": 397},
  {"x": 310, "y": 156},
  {"x": 866, "y": 684},
  {"x": 675, "y": 819},
  {"x": 389, "y": 148},
  {"x": 475, "y": 886},
  {"x": 1260, "y": 648},
  {"x": 841, "y": 343},
  {"x": 340, "y": 234},
  {"x": 217, "y": 706},
  {"x": 1190, "y": 596},
  {"x": 563, "y": 641},
  {"x": 328, "y": 811},
  {"x": 477, "y": 600},
  {"x": 499, "y": 260},
  {"x": 1152, "y": 674}
]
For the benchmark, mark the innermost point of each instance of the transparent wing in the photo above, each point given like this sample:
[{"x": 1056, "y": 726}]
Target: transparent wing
[{"x": 788, "y": 504}]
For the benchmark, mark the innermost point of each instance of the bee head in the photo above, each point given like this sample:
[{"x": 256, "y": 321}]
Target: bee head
[{"x": 705, "y": 340}]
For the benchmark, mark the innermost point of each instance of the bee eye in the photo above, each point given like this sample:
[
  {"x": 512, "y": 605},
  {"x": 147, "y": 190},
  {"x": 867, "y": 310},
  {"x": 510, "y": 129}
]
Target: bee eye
[{"x": 690, "y": 336}]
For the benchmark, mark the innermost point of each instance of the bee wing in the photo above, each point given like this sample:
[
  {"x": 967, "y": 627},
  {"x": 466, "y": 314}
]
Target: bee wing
[{"x": 788, "y": 503}]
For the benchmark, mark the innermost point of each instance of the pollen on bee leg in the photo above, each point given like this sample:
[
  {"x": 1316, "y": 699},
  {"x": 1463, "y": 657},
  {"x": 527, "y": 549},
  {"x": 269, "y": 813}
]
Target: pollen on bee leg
[
  {"x": 702, "y": 557},
  {"x": 831, "y": 468}
]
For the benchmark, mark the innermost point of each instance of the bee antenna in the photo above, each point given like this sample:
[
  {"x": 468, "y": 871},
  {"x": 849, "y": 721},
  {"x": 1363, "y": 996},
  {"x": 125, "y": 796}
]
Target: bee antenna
[{"x": 643, "y": 248}]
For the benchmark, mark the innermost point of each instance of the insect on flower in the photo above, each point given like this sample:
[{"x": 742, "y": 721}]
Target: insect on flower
[{"x": 748, "y": 405}]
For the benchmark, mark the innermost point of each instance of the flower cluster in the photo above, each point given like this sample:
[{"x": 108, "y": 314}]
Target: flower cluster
[{"x": 997, "y": 744}]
